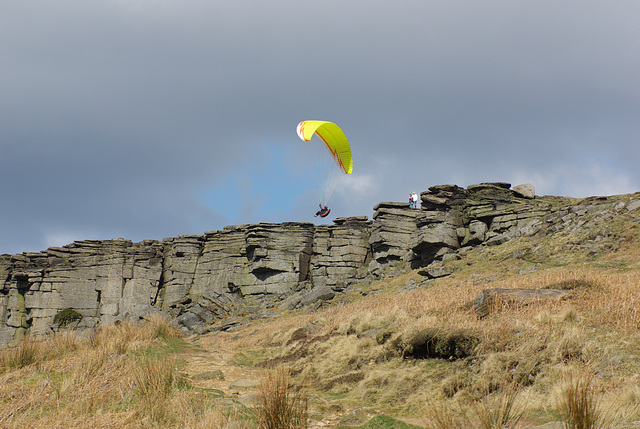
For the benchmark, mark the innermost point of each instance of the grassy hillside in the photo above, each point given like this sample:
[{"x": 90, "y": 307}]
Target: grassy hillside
[{"x": 401, "y": 352}]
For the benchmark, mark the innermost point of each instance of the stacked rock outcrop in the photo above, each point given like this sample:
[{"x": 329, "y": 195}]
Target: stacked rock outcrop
[
  {"x": 242, "y": 265},
  {"x": 391, "y": 233},
  {"x": 102, "y": 280},
  {"x": 488, "y": 214},
  {"x": 198, "y": 279}
]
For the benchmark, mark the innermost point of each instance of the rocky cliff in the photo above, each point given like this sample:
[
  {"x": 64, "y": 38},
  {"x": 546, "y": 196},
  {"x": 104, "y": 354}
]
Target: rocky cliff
[{"x": 197, "y": 280}]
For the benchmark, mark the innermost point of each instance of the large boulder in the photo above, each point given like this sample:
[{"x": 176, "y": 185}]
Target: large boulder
[
  {"x": 526, "y": 191},
  {"x": 488, "y": 300}
]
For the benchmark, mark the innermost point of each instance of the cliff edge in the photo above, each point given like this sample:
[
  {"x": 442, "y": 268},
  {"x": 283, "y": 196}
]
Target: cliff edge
[{"x": 199, "y": 280}]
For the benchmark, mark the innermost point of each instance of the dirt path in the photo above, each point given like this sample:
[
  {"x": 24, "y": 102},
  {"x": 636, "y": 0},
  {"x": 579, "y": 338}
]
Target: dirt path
[{"x": 212, "y": 364}]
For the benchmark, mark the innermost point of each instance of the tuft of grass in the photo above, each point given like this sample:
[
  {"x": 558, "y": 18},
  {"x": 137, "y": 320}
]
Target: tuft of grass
[
  {"x": 500, "y": 409},
  {"x": 114, "y": 339},
  {"x": 157, "y": 326},
  {"x": 282, "y": 406},
  {"x": 84, "y": 375},
  {"x": 154, "y": 380},
  {"x": 61, "y": 343},
  {"x": 577, "y": 405},
  {"x": 444, "y": 416},
  {"x": 27, "y": 352}
]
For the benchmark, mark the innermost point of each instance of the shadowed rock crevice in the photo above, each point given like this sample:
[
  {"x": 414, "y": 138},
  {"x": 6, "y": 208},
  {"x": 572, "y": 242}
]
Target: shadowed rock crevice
[{"x": 438, "y": 344}]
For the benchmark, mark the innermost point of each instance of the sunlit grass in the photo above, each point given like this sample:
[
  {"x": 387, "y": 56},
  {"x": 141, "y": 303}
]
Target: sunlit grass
[
  {"x": 361, "y": 353},
  {"x": 119, "y": 376},
  {"x": 281, "y": 406}
]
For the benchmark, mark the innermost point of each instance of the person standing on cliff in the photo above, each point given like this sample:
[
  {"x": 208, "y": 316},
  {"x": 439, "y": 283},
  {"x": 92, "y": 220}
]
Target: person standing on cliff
[
  {"x": 414, "y": 200},
  {"x": 410, "y": 200}
]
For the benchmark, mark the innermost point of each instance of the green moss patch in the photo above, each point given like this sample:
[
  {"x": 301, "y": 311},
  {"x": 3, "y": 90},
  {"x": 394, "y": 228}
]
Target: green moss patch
[{"x": 66, "y": 317}]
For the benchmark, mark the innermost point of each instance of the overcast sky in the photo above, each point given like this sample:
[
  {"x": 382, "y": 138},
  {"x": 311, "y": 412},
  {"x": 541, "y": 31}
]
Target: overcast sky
[{"x": 148, "y": 119}]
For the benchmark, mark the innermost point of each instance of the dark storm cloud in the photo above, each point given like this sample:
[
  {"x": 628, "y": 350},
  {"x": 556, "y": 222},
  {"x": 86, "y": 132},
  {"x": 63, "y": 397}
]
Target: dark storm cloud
[{"x": 116, "y": 115}]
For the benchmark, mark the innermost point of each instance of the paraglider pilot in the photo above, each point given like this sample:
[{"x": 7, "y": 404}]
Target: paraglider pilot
[{"x": 323, "y": 212}]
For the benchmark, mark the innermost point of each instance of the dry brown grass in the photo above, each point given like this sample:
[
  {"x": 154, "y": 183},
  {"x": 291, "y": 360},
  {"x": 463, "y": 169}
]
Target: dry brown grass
[
  {"x": 282, "y": 406},
  {"x": 577, "y": 404},
  {"x": 613, "y": 300},
  {"x": 352, "y": 352},
  {"x": 444, "y": 415},
  {"x": 25, "y": 353},
  {"x": 499, "y": 410},
  {"x": 361, "y": 354},
  {"x": 111, "y": 378}
]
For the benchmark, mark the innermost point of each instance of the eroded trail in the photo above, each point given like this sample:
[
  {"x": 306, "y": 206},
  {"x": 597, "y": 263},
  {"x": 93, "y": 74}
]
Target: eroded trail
[
  {"x": 221, "y": 363},
  {"x": 215, "y": 362}
]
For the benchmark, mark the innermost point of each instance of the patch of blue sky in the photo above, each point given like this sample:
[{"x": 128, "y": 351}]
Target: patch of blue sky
[
  {"x": 225, "y": 198},
  {"x": 266, "y": 187}
]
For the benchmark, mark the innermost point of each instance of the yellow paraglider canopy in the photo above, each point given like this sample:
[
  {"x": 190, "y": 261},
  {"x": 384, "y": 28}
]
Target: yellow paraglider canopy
[{"x": 333, "y": 138}]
